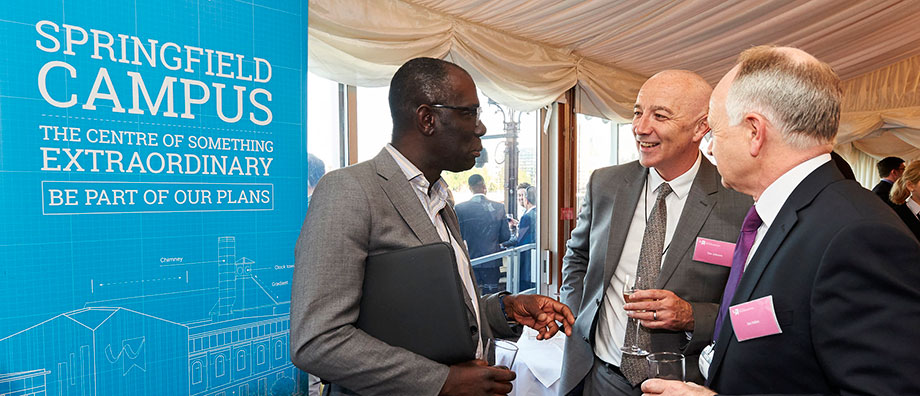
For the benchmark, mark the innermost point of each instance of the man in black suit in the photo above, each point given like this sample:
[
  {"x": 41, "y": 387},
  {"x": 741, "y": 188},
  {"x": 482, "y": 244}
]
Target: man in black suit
[
  {"x": 890, "y": 170},
  {"x": 832, "y": 265},
  {"x": 483, "y": 226}
]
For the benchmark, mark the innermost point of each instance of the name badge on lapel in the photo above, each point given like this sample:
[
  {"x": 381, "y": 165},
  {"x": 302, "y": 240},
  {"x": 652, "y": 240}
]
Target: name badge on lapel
[
  {"x": 754, "y": 319},
  {"x": 714, "y": 252}
]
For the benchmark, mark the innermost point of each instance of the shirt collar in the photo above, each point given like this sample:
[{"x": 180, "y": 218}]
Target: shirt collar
[
  {"x": 681, "y": 184},
  {"x": 416, "y": 178},
  {"x": 776, "y": 194},
  {"x": 913, "y": 206}
]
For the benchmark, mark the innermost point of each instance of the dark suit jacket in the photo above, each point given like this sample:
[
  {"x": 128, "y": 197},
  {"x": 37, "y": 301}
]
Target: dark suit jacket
[
  {"x": 365, "y": 209},
  {"x": 711, "y": 211},
  {"x": 844, "y": 274},
  {"x": 911, "y": 220},
  {"x": 883, "y": 189},
  {"x": 483, "y": 225}
]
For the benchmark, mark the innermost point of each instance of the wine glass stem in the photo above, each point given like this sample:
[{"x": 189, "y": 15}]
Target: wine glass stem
[{"x": 637, "y": 333}]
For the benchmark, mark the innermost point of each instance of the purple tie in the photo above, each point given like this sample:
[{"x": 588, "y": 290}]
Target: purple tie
[{"x": 745, "y": 241}]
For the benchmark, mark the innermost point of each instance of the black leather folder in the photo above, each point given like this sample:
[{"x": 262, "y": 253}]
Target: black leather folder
[{"x": 412, "y": 299}]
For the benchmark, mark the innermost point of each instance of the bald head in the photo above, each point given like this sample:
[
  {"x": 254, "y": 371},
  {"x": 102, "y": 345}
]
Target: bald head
[
  {"x": 688, "y": 89},
  {"x": 669, "y": 120}
]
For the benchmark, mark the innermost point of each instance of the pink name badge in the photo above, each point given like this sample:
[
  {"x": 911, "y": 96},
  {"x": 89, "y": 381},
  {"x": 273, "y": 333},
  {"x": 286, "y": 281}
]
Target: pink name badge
[
  {"x": 754, "y": 319},
  {"x": 714, "y": 252}
]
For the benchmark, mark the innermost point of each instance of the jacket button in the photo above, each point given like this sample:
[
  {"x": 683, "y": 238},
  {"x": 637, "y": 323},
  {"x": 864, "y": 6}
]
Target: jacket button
[
  {"x": 474, "y": 330},
  {"x": 585, "y": 338},
  {"x": 598, "y": 302}
]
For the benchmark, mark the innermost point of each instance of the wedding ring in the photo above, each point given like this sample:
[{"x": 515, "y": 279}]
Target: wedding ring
[{"x": 655, "y": 315}]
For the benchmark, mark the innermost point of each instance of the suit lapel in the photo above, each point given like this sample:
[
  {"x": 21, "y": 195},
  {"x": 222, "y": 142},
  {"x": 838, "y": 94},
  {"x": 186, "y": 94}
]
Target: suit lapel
[
  {"x": 752, "y": 274},
  {"x": 801, "y": 197},
  {"x": 624, "y": 207},
  {"x": 697, "y": 208},
  {"x": 403, "y": 197},
  {"x": 785, "y": 220}
]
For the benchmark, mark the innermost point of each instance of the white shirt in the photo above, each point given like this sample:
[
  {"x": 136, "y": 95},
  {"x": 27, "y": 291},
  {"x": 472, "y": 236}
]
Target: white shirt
[
  {"x": 776, "y": 194},
  {"x": 611, "y": 325},
  {"x": 913, "y": 206},
  {"x": 433, "y": 203}
]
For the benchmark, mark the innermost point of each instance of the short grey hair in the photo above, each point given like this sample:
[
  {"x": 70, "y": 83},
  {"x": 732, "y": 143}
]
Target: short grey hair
[{"x": 801, "y": 97}]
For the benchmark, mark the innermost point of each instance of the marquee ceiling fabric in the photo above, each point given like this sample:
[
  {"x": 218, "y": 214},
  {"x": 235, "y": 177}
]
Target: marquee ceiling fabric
[
  {"x": 526, "y": 53},
  {"x": 705, "y": 36}
]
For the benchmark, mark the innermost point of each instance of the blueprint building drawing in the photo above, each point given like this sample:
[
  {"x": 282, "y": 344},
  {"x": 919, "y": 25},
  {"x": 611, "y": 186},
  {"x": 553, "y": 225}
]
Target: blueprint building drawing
[{"x": 241, "y": 350}]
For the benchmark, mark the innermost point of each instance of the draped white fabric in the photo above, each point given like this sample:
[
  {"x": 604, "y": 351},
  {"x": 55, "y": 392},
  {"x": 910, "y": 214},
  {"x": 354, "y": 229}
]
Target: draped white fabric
[
  {"x": 527, "y": 53},
  {"x": 881, "y": 111},
  {"x": 363, "y": 43}
]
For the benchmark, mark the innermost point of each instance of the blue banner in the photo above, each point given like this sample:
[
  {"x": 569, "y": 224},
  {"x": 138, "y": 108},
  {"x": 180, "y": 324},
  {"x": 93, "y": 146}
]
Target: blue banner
[{"x": 153, "y": 164}]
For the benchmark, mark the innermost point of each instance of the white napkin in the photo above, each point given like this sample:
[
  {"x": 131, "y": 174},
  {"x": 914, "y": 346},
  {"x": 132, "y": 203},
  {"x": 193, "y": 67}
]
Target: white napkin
[{"x": 543, "y": 358}]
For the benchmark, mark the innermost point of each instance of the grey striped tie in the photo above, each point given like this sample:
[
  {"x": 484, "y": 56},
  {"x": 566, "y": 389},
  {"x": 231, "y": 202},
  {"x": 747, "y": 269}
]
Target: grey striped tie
[{"x": 633, "y": 367}]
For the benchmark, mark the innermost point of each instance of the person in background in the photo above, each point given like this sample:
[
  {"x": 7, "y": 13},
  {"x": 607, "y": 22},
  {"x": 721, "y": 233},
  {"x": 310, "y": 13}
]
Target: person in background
[
  {"x": 315, "y": 170},
  {"x": 394, "y": 201},
  {"x": 905, "y": 197},
  {"x": 483, "y": 226},
  {"x": 643, "y": 218},
  {"x": 889, "y": 169},
  {"x": 822, "y": 296},
  {"x": 526, "y": 231}
]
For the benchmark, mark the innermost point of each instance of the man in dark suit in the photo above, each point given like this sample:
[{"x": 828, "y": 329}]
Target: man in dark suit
[
  {"x": 644, "y": 218},
  {"x": 823, "y": 295},
  {"x": 483, "y": 225},
  {"x": 397, "y": 200},
  {"x": 890, "y": 170}
]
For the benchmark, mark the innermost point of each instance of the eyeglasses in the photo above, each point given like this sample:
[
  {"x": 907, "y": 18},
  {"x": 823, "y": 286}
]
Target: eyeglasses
[{"x": 471, "y": 110}]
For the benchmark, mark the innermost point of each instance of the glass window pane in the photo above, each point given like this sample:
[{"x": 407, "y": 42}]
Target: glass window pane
[
  {"x": 601, "y": 143},
  {"x": 323, "y": 131},
  {"x": 627, "y": 151},
  {"x": 375, "y": 127},
  {"x": 509, "y": 148},
  {"x": 597, "y": 147}
]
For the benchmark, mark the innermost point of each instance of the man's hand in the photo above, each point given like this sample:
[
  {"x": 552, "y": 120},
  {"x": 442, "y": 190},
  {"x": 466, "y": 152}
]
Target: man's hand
[
  {"x": 674, "y": 388},
  {"x": 540, "y": 313},
  {"x": 663, "y": 310},
  {"x": 477, "y": 378}
]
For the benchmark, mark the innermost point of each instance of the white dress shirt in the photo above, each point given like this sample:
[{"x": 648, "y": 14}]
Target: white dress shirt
[
  {"x": 913, "y": 206},
  {"x": 776, "y": 194},
  {"x": 611, "y": 325},
  {"x": 433, "y": 203}
]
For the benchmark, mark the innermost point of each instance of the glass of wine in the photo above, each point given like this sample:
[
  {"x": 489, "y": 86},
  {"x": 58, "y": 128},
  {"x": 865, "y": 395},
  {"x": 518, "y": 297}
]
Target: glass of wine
[
  {"x": 628, "y": 290},
  {"x": 666, "y": 365}
]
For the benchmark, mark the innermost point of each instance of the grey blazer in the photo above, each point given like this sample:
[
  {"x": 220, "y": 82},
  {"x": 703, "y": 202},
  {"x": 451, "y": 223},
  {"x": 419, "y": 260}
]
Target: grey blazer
[
  {"x": 361, "y": 210},
  {"x": 593, "y": 252}
]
